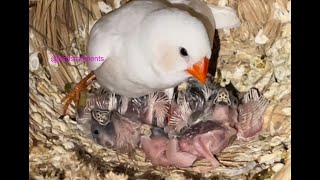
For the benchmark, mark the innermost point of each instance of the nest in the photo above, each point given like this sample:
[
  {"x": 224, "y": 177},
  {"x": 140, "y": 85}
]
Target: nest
[{"x": 255, "y": 55}]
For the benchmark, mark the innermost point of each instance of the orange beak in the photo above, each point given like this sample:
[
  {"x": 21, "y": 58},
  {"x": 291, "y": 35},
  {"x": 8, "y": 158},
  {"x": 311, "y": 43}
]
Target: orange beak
[{"x": 200, "y": 70}]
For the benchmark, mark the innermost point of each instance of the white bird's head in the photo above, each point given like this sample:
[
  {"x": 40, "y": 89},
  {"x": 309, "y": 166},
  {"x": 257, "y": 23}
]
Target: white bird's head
[{"x": 179, "y": 43}]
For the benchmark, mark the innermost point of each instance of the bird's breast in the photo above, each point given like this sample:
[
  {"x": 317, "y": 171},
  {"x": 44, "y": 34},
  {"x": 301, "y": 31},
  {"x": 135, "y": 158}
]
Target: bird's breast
[{"x": 113, "y": 76}]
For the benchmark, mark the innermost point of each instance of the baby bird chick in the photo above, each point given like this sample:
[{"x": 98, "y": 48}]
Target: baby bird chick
[{"x": 107, "y": 126}]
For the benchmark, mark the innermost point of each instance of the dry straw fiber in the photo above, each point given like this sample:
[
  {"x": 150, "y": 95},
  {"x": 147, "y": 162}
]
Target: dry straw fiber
[{"x": 257, "y": 54}]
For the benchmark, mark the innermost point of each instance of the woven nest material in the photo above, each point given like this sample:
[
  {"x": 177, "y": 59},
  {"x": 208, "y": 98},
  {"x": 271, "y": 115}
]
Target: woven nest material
[{"x": 255, "y": 55}]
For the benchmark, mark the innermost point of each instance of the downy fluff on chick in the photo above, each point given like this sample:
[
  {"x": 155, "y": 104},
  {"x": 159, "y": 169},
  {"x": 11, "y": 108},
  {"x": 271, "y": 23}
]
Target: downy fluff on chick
[
  {"x": 106, "y": 125},
  {"x": 203, "y": 122},
  {"x": 114, "y": 121}
]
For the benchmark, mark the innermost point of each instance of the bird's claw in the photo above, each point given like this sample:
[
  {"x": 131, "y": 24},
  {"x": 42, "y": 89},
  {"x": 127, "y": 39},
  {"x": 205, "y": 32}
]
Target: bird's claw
[{"x": 75, "y": 92}]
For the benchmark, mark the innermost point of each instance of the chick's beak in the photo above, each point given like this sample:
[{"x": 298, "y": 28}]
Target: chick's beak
[{"x": 199, "y": 70}]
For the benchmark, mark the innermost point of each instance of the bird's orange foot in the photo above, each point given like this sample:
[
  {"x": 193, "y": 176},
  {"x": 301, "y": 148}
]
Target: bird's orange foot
[{"x": 75, "y": 92}]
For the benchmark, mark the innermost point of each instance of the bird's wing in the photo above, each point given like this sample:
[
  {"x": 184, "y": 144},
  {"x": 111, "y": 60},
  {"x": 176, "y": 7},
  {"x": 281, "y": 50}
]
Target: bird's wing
[
  {"x": 225, "y": 17},
  {"x": 100, "y": 42},
  {"x": 158, "y": 107},
  {"x": 109, "y": 35},
  {"x": 221, "y": 17},
  {"x": 251, "y": 112},
  {"x": 200, "y": 10},
  {"x": 213, "y": 17}
]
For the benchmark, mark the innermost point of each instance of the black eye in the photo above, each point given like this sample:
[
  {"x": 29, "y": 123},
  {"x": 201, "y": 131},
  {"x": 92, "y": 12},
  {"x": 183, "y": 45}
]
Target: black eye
[
  {"x": 235, "y": 101},
  {"x": 183, "y": 52},
  {"x": 96, "y": 132}
]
